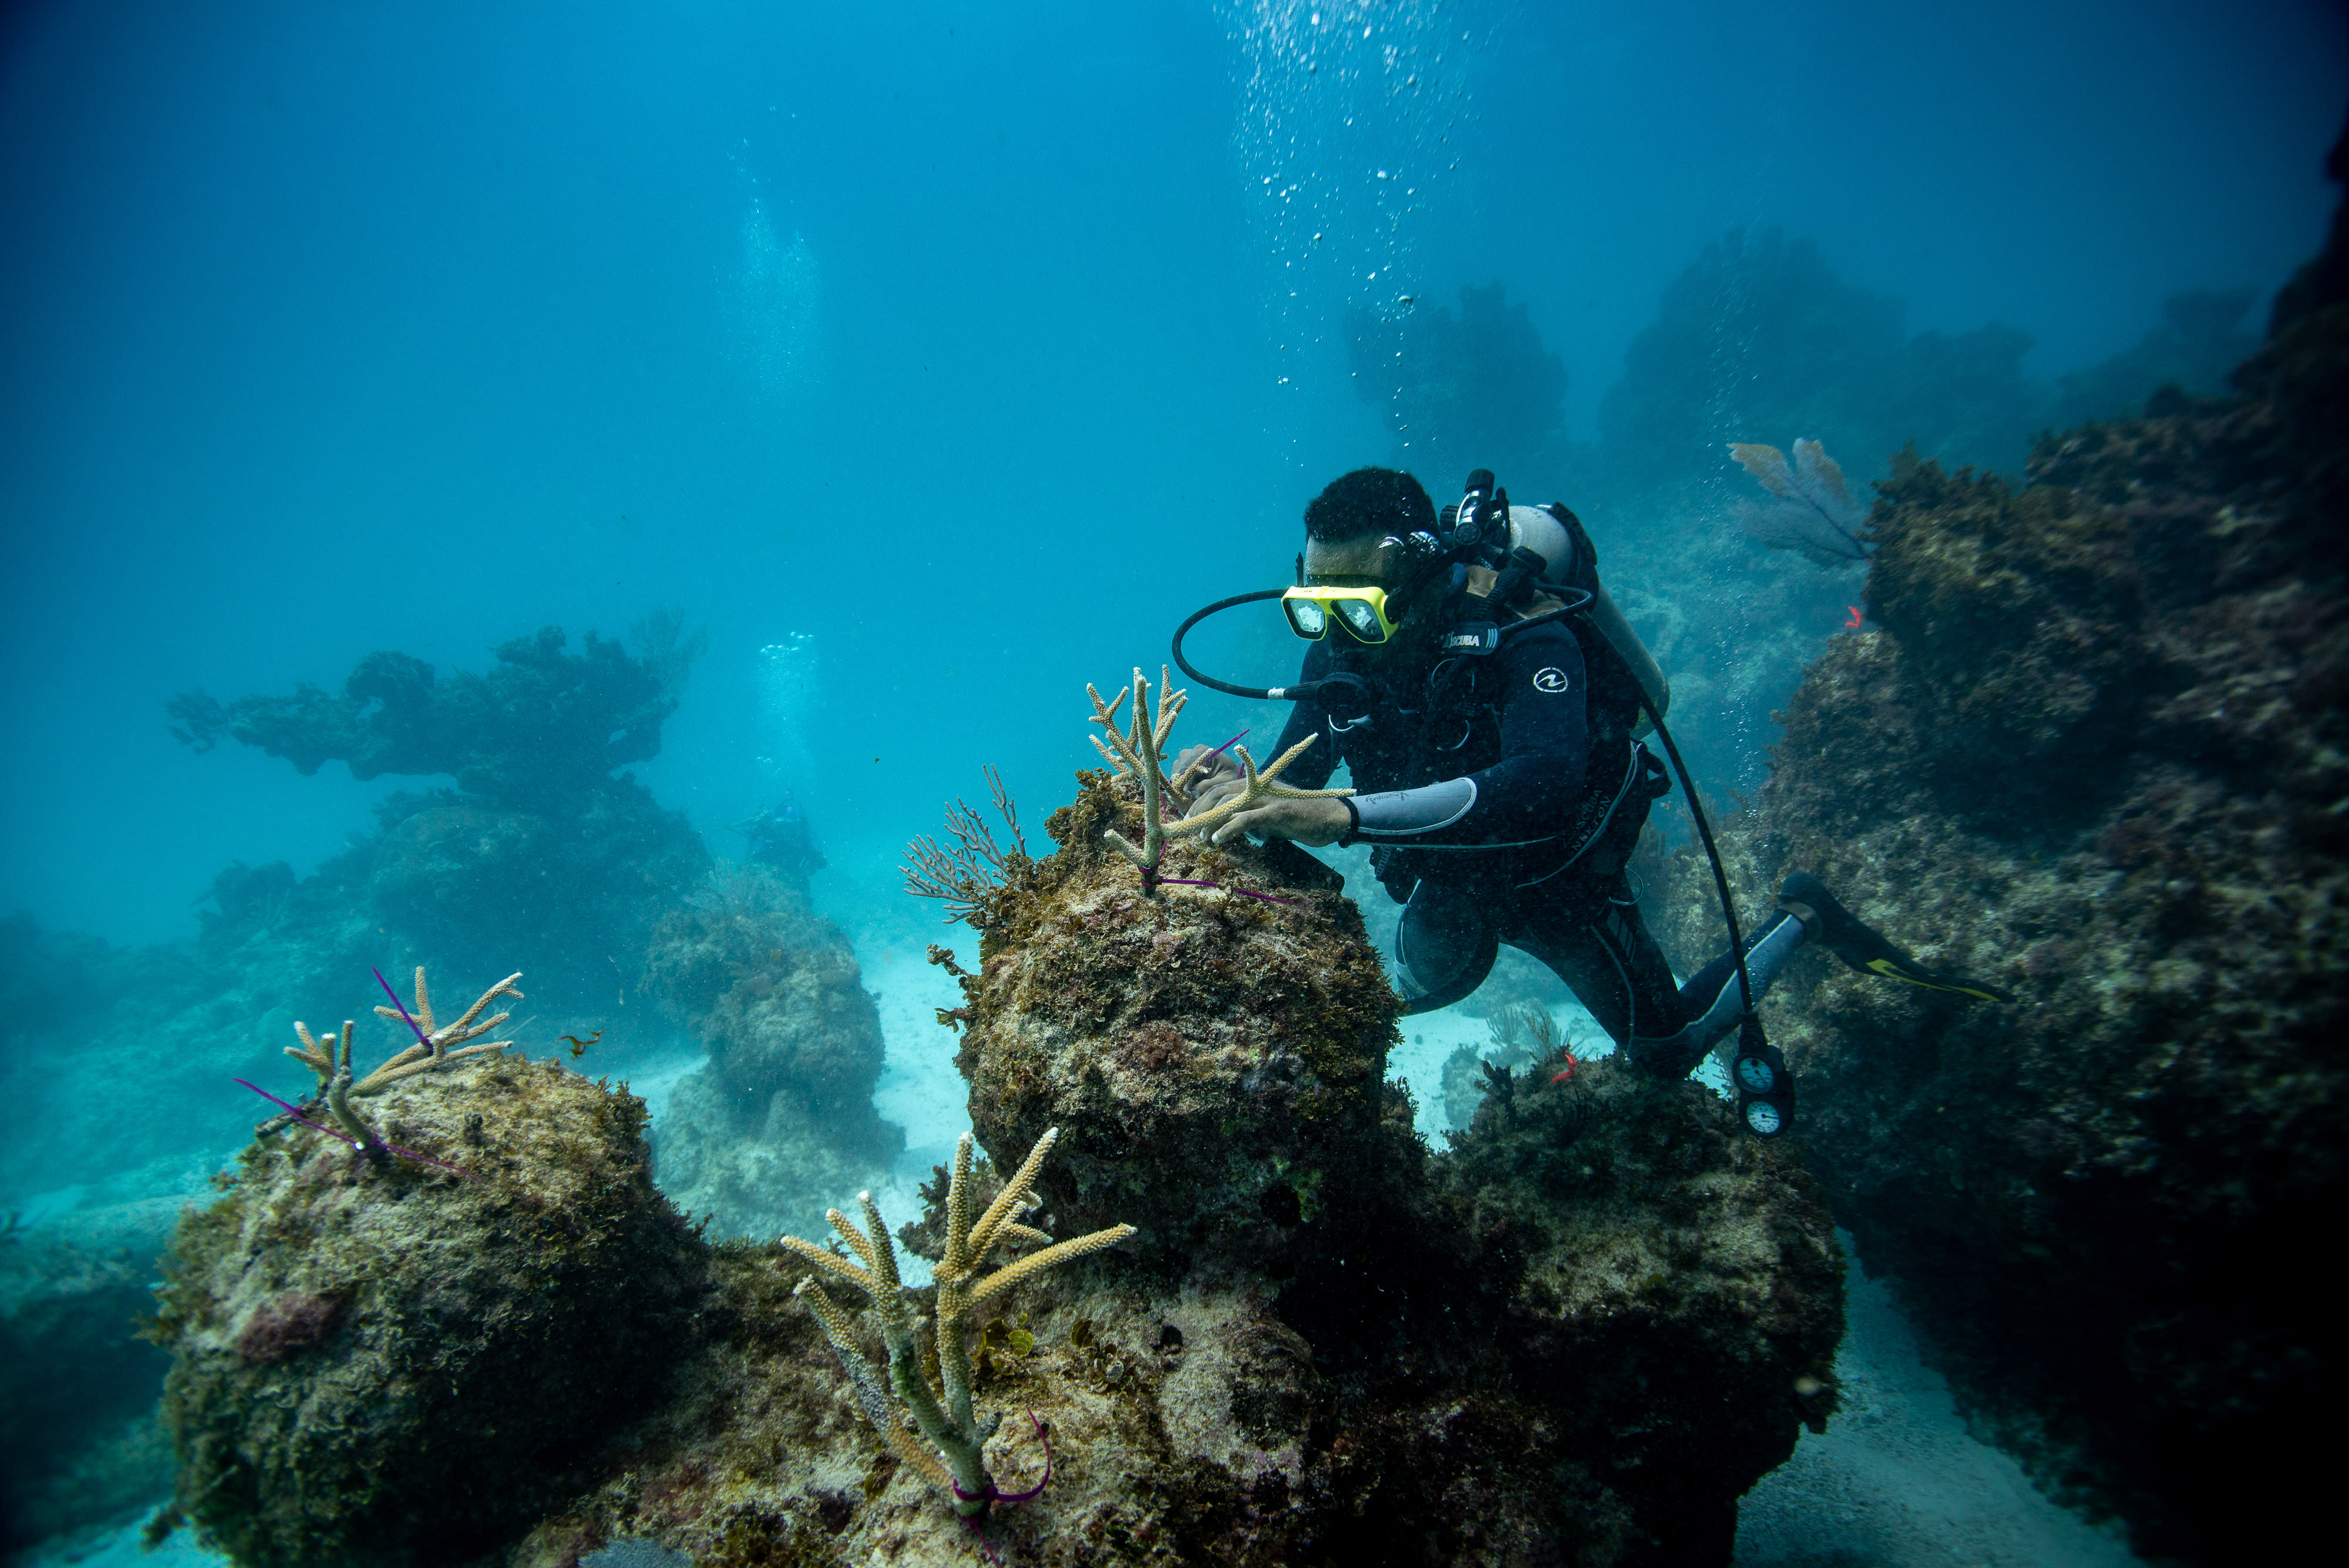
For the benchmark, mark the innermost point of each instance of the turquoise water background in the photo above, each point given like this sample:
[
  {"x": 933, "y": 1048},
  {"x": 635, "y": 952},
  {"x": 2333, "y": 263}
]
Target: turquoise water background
[{"x": 937, "y": 359}]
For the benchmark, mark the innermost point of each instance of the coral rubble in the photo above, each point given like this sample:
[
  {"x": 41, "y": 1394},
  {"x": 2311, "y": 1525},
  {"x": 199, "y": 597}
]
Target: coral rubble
[{"x": 2097, "y": 751}]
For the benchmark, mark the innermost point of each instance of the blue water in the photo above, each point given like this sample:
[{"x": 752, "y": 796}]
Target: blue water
[{"x": 937, "y": 358}]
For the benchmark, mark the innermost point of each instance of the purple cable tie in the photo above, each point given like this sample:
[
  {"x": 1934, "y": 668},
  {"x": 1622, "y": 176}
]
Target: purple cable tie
[
  {"x": 421, "y": 1038},
  {"x": 342, "y": 1137}
]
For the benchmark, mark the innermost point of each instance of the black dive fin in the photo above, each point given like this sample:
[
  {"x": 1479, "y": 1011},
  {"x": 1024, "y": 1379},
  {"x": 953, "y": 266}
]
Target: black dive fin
[{"x": 1842, "y": 934}]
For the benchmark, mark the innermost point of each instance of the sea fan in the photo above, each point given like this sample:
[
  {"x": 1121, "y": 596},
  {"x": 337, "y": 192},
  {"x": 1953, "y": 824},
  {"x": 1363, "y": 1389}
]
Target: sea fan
[{"x": 1815, "y": 512}]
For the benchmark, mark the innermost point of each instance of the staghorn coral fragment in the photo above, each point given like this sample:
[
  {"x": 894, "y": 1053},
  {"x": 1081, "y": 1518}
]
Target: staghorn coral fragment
[
  {"x": 942, "y": 1414},
  {"x": 431, "y": 1053},
  {"x": 1137, "y": 755},
  {"x": 1258, "y": 786},
  {"x": 436, "y": 1050}
]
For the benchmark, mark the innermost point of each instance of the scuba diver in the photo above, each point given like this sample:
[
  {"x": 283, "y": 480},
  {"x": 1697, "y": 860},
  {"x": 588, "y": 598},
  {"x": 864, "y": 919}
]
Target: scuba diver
[
  {"x": 1491, "y": 703},
  {"x": 782, "y": 842}
]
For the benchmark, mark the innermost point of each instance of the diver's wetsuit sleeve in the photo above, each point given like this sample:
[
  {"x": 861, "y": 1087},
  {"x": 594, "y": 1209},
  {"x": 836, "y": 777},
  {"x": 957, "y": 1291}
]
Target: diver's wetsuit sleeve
[
  {"x": 1529, "y": 794},
  {"x": 1312, "y": 770}
]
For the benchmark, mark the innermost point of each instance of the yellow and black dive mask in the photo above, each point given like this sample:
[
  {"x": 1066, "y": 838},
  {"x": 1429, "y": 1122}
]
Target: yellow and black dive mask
[{"x": 1361, "y": 613}]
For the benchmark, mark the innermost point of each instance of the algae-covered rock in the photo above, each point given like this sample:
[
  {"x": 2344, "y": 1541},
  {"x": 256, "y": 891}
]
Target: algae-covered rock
[
  {"x": 1682, "y": 1295},
  {"x": 388, "y": 1363},
  {"x": 1577, "y": 1338},
  {"x": 80, "y": 1445},
  {"x": 1196, "y": 1046},
  {"x": 779, "y": 1126},
  {"x": 2099, "y": 755}
]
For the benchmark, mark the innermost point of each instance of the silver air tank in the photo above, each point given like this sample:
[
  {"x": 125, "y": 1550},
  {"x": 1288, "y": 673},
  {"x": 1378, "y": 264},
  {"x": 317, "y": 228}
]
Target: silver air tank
[{"x": 1531, "y": 528}]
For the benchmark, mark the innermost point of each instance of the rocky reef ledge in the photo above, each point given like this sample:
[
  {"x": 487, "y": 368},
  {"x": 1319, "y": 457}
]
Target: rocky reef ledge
[
  {"x": 1576, "y": 1339},
  {"x": 2095, "y": 747}
]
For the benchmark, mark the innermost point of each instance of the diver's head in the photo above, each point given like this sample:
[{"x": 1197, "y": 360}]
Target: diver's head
[
  {"x": 1366, "y": 531},
  {"x": 1349, "y": 518}
]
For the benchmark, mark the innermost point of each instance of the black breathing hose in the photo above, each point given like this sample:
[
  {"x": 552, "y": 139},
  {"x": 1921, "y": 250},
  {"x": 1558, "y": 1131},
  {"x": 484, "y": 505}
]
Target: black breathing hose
[
  {"x": 1750, "y": 1035},
  {"x": 1255, "y": 693}
]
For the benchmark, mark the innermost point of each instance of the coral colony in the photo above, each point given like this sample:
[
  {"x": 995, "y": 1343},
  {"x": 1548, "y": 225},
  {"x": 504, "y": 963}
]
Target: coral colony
[
  {"x": 1815, "y": 512},
  {"x": 942, "y": 1414},
  {"x": 1135, "y": 755},
  {"x": 435, "y": 1051}
]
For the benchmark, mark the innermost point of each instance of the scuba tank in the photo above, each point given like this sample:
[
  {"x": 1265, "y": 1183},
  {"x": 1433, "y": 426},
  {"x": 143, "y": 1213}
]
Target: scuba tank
[{"x": 1571, "y": 563}]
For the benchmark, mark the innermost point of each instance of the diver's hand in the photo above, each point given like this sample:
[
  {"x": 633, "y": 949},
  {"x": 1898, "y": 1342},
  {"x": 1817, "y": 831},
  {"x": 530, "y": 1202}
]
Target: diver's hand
[
  {"x": 1312, "y": 822},
  {"x": 1219, "y": 778}
]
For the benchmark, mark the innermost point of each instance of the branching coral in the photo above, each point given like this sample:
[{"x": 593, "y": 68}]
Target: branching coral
[
  {"x": 975, "y": 866},
  {"x": 1137, "y": 755},
  {"x": 1258, "y": 786},
  {"x": 433, "y": 1052},
  {"x": 943, "y": 1414}
]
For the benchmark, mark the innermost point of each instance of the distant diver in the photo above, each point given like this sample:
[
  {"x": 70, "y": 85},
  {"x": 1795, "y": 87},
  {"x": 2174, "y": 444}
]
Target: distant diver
[
  {"x": 1491, "y": 702},
  {"x": 782, "y": 842}
]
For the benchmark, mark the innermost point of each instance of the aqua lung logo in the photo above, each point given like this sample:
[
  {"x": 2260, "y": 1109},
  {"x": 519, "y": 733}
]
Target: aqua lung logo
[{"x": 1549, "y": 678}]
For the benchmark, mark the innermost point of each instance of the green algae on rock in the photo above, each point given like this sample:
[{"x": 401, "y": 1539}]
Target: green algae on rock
[{"x": 386, "y": 1364}]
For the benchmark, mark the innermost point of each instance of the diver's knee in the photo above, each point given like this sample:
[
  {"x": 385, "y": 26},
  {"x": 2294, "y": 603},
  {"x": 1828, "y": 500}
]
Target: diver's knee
[{"x": 1669, "y": 1058}]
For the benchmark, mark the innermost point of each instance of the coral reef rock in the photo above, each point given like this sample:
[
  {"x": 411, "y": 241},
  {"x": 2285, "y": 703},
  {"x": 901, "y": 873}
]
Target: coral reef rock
[
  {"x": 2096, "y": 753},
  {"x": 79, "y": 1446},
  {"x": 1577, "y": 1338},
  {"x": 540, "y": 851},
  {"x": 386, "y": 1362},
  {"x": 779, "y": 1126},
  {"x": 1196, "y": 1048}
]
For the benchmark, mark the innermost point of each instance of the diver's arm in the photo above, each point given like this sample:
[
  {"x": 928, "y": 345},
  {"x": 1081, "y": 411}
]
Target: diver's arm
[
  {"x": 1528, "y": 795},
  {"x": 1310, "y": 770}
]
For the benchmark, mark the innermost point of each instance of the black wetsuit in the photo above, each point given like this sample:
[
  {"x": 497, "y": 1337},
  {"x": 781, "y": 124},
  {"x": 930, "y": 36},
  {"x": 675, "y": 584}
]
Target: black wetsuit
[{"x": 1504, "y": 794}]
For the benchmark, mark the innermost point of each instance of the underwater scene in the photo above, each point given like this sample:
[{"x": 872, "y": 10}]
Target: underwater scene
[{"x": 1267, "y": 782}]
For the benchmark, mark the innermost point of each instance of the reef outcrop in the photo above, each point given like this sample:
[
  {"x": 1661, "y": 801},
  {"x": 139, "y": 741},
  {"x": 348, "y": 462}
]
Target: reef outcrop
[
  {"x": 1576, "y": 1339},
  {"x": 80, "y": 1445},
  {"x": 2095, "y": 747},
  {"x": 540, "y": 852},
  {"x": 404, "y": 1360},
  {"x": 779, "y": 1125}
]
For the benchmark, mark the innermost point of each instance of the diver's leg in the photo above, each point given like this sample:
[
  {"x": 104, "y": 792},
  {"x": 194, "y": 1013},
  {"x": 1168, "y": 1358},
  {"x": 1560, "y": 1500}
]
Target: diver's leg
[
  {"x": 1712, "y": 1003},
  {"x": 1599, "y": 946},
  {"x": 1444, "y": 944},
  {"x": 1592, "y": 937}
]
